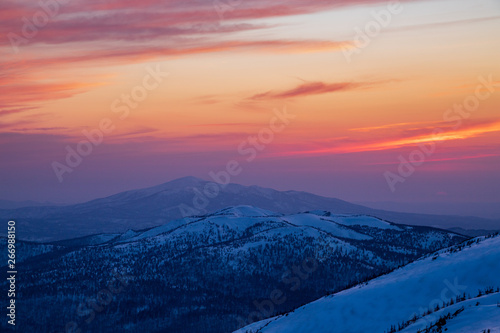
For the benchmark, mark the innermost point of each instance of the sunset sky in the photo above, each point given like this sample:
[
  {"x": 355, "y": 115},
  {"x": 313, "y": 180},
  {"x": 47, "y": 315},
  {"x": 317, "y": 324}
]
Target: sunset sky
[{"x": 359, "y": 105}]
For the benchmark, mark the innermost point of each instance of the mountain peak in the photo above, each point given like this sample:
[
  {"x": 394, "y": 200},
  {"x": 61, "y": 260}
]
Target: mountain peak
[
  {"x": 187, "y": 181},
  {"x": 178, "y": 183}
]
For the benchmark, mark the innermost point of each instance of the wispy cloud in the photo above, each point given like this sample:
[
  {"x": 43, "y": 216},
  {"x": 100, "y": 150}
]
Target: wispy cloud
[
  {"x": 132, "y": 21},
  {"x": 142, "y": 53},
  {"x": 95, "y": 33},
  {"x": 22, "y": 84},
  {"x": 23, "y": 94},
  {"x": 444, "y": 24},
  {"x": 393, "y": 143},
  {"x": 310, "y": 88},
  {"x": 386, "y": 126},
  {"x": 14, "y": 110}
]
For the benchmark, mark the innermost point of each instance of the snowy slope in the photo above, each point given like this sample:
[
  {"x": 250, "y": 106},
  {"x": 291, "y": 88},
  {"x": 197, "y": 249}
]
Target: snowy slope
[
  {"x": 239, "y": 219},
  {"x": 260, "y": 225},
  {"x": 363, "y": 220},
  {"x": 312, "y": 220},
  {"x": 478, "y": 314},
  {"x": 400, "y": 295},
  {"x": 234, "y": 233}
]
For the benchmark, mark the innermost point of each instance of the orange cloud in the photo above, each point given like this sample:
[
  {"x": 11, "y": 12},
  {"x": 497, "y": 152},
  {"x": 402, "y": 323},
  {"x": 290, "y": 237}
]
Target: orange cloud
[
  {"x": 19, "y": 87},
  {"x": 17, "y": 94},
  {"x": 374, "y": 128},
  {"x": 398, "y": 143}
]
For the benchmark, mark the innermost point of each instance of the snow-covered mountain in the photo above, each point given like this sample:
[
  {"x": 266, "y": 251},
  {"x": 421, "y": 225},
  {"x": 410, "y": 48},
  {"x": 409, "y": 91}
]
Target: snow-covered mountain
[
  {"x": 215, "y": 272},
  {"x": 475, "y": 314},
  {"x": 452, "y": 290},
  {"x": 188, "y": 196}
]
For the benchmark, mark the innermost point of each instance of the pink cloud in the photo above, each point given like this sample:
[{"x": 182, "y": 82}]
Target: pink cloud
[
  {"x": 310, "y": 88},
  {"x": 150, "y": 20}
]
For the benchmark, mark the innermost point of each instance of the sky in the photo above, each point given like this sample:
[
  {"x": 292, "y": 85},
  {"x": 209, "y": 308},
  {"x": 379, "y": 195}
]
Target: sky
[{"x": 360, "y": 100}]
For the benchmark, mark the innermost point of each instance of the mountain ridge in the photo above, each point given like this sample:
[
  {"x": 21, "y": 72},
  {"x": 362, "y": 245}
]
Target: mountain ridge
[
  {"x": 151, "y": 206},
  {"x": 189, "y": 269},
  {"x": 411, "y": 295}
]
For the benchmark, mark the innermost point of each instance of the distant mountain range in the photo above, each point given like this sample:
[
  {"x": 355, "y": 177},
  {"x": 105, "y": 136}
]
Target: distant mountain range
[
  {"x": 454, "y": 290},
  {"x": 212, "y": 273},
  {"x": 144, "y": 208}
]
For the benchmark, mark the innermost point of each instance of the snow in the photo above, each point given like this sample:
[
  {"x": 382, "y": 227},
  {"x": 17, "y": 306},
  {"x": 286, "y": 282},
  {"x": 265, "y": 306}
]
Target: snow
[
  {"x": 396, "y": 297},
  {"x": 333, "y": 228},
  {"x": 474, "y": 317},
  {"x": 245, "y": 211},
  {"x": 240, "y": 218},
  {"x": 362, "y": 220},
  {"x": 103, "y": 238},
  {"x": 128, "y": 234},
  {"x": 159, "y": 230}
]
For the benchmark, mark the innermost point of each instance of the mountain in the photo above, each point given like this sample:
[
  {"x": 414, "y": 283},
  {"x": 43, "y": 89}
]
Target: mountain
[
  {"x": 211, "y": 273},
  {"x": 477, "y": 314},
  {"x": 188, "y": 196},
  {"x": 452, "y": 290}
]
